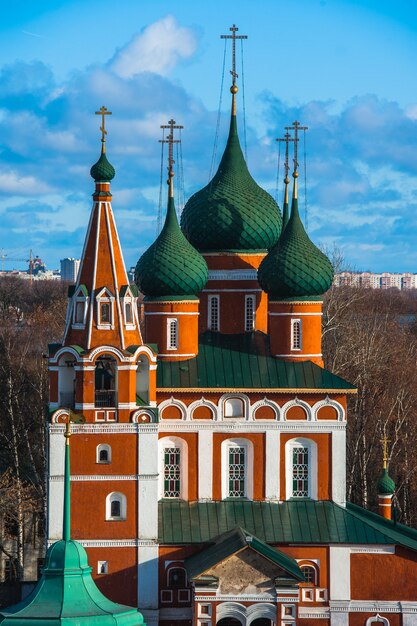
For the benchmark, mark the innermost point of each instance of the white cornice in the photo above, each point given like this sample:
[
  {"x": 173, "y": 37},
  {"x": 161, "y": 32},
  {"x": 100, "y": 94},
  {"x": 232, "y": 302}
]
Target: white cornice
[{"x": 233, "y": 275}]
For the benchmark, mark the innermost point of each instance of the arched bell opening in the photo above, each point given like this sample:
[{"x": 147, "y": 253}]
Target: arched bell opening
[
  {"x": 142, "y": 381},
  {"x": 105, "y": 381},
  {"x": 229, "y": 621}
]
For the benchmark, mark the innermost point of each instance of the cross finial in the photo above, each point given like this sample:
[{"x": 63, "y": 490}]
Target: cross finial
[
  {"x": 385, "y": 441},
  {"x": 233, "y": 37},
  {"x": 170, "y": 141},
  {"x": 103, "y": 112},
  {"x": 296, "y": 127},
  {"x": 287, "y": 138}
]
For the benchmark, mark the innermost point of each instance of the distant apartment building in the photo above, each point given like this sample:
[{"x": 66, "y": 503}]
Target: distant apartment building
[
  {"x": 69, "y": 269},
  {"x": 370, "y": 280}
]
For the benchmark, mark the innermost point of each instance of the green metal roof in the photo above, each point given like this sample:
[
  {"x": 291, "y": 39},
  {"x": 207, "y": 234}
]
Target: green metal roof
[
  {"x": 171, "y": 266},
  {"x": 232, "y": 212},
  {"x": 231, "y": 542},
  {"x": 244, "y": 361},
  {"x": 295, "y": 267},
  {"x": 290, "y": 522},
  {"x": 102, "y": 171}
]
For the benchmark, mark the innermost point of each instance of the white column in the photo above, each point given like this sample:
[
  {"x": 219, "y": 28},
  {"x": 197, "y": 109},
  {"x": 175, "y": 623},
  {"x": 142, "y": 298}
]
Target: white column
[
  {"x": 339, "y": 573},
  {"x": 339, "y": 466},
  {"x": 272, "y": 459},
  {"x": 148, "y": 576},
  {"x": 205, "y": 465},
  {"x": 337, "y": 618},
  {"x": 56, "y": 484},
  {"x": 148, "y": 482}
]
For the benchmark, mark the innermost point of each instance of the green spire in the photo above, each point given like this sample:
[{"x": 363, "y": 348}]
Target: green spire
[
  {"x": 295, "y": 267},
  {"x": 232, "y": 212}
]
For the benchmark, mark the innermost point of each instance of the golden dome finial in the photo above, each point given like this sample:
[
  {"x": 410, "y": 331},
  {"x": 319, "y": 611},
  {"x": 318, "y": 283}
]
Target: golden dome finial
[
  {"x": 233, "y": 88},
  {"x": 103, "y": 112}
]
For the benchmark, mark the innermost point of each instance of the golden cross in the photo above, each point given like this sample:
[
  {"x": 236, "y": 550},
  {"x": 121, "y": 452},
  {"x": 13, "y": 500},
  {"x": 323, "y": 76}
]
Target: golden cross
[
  {"x": 170, "y": 141},
  {"x": 296, "y": 126},
  {"x": 287, "y": 138},
  {"x": 233, "y": 37},
  {"x": 103, "y": 111},
  {"x": 385, "y": 441}
]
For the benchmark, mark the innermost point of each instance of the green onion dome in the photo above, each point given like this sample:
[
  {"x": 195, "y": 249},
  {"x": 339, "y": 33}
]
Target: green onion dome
[
  {"x": 102, "y": 171},
  {"x": 232, "y": 212},
  {"x": 386, "y": 486},
  {"x": 171, "y": 266},
  {"x": 295, "y": 267}
]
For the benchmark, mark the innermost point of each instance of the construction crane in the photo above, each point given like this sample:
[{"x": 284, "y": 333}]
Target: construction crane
[{"x": 4, "y": 257}]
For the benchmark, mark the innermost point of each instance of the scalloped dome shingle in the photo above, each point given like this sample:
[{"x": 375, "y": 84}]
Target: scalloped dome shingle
[
  {"x": 102, "y": 171},
  {"x": 232, "y": 212}
]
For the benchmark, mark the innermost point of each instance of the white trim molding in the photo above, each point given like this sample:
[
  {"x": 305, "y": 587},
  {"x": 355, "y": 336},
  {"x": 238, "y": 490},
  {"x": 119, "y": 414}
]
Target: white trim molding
[
  {"x": 341, "y": 415},
  {"x": 300, "y": 403},
  {"x": 202, "y": 402},
  {"x": 265, "y": 402},
  {"x": 173, "y": 402}
]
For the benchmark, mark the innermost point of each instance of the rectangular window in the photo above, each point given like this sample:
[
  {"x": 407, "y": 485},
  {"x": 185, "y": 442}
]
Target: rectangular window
[
  {"x": 237, "y": 471},
  {"x": 213, "y": 313},
  {"x": 295, "y": 334},
  {"x": 172, "y": 473},
  {"x": 249, "y": 314},
  {"x": 79, "y": 312},
  {"x": 300, "y": 462},
  {"x": 105, "y": 313},
  {"x": 172, "y": 334},
  {"x": 128, "y": 313}
]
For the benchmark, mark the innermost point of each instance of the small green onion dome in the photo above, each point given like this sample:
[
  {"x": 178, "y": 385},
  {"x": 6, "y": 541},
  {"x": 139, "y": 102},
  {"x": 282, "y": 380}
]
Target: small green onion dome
[
  {"x": 295, "y": 267},
  {"x": 102, "y": 171},
  {"x": 386, "y": 486},
  {"x": 171, "y": 266},
  {"x": 232, "y": 212}
]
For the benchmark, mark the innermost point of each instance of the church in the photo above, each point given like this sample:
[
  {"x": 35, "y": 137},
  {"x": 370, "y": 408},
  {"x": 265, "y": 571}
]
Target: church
[{"x": 209, "y": 454}]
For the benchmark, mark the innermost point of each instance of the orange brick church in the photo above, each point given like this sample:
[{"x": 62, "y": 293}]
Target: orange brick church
[{"x": 208, "y": 478}]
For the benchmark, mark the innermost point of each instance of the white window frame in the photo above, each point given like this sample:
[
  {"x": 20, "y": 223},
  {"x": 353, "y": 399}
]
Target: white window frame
[
  {"x": 211, "y": 299},
  {"x": 113, "y": 497},
  {"x": 296, "y": 336},
  {"x": 105, "y": 297},
  {"x": 312, "y": 467},
  {"x": 377, "y": 619},
  {"x": 100, "y": 564},
  {"x": 250, "y": 325},
  {"x": 100, "y": 447},
  {"x": 237, "y": 443},
  {"x": 172, "y": 322},
  {"x": 129, "y": 325},
  {"x": 79, "y": 298},
  {"x": 174, "y": 442},
  {"x": 228, "y": 402}
]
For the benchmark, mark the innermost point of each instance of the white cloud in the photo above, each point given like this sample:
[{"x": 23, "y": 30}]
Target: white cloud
[
  {"x": 11, "y": 182},
  {"x": 157, "y": 49}
]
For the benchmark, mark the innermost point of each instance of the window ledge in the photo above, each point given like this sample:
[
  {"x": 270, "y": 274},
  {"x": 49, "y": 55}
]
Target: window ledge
[
  {"x": 78, "y": 326},
  {"x": 130, "y": 327},
  {"x": 115, "y": 519},
  {"x": 105, "y": 326}
]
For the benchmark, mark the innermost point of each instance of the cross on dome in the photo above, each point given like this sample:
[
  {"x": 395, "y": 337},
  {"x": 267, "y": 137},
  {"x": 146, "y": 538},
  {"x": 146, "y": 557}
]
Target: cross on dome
[
  {"x": 170, "y": 141},
  {"x": 103, "y": 112}
]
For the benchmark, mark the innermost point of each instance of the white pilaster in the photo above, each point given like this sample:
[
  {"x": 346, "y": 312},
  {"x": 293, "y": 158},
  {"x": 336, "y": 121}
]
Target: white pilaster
[
  {"x": 272, "y": 458},
  {"x": 339, "y": 573},
  {"x": 56, "y": 487},
  {"x": 339, "y": 466},
  {"x": 205, "y": 465},
  {"x": 338, "y": 618},
  {"x": 148, "y": 484},
  {"x": 148, "y": 577}
]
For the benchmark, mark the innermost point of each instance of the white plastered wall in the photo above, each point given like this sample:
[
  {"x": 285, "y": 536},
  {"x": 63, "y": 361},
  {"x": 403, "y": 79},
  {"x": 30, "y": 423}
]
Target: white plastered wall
[
  {"x": 56, "y": 485},
  {"x": 148, "y": 484},
  {"x": 205, "y": 465},
  {"x": 339, "y": 466},
  {"x": 272, "y": 458}
]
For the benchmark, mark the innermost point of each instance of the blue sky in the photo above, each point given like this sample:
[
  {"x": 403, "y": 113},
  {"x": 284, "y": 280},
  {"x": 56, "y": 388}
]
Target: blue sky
[{"x": 346, "y": 69}]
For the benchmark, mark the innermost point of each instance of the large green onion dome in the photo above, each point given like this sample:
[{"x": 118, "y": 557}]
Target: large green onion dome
[
  {"x": 295, "y": 267},
  {"x": 102, "y": 171},
  {"x": 171, "y": 266},
  {"x": 232, "y": 212},
  {"x": 386, "y": 486}
]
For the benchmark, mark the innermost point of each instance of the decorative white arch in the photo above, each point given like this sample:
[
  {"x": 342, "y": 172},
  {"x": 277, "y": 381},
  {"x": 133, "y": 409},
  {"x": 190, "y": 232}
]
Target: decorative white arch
[
  {"x": 202, "y": 402},
  {"x": 137, "y": 416},
  {"x": 233, "y": 610},
  {"x": 60, "y": 415},
  {"x": 297, "y": 402},
  {"x": 329, "y": 402},
  {"x": 144, "y": 350},
  {"x": 265, "y": 402},
  {"x": 103, "y": 447},
  {"x": 261, "y": 610},
  {"x": 173, "y": 402},
  {"x": 64, "y": 350},
  {"x": 116, "y": 496},
  {"x": 108, "y": 349},
  {"x": 377, "y": 619},
  {"x": 227, "y": 396}
]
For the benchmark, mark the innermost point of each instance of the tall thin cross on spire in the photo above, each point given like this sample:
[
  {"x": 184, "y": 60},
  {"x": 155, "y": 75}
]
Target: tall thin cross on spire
[
  {"x": 385, "y": 442},
  {"x": 233, "y": 37},
  {"x": 103, "y": 112},
  {"x": 287, "y": 138},
  {"x": 170, "y": 141},
  {"x": 296, "y": 127}
]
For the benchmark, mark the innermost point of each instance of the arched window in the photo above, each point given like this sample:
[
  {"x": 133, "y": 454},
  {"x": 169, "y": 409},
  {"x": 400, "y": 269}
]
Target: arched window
[
  {"x": 172, "y": 332},
  {"x": 66, "y": 381},
  {"x": 103, "y": 453},
  {"x": 214, "y": 313},
  {"x": 250, "y": 302},
  {"x": 79, "y": 311},
  {"x": 301, "y": 468},
  {"x": 116, "y": 508},
  {"x": 296, "y": 334},
  {"x": 377, "y": 619},
  {"x": 173, "y": 468},
  {"x": 177, "y": 577},
  {"x": 310, "y": 574},
  {"x": 237, "y": 468},
  {"x": 234, "y": 407},
  {"x": 142, "y": 380},
  {"x": 105, "y": 380}
]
